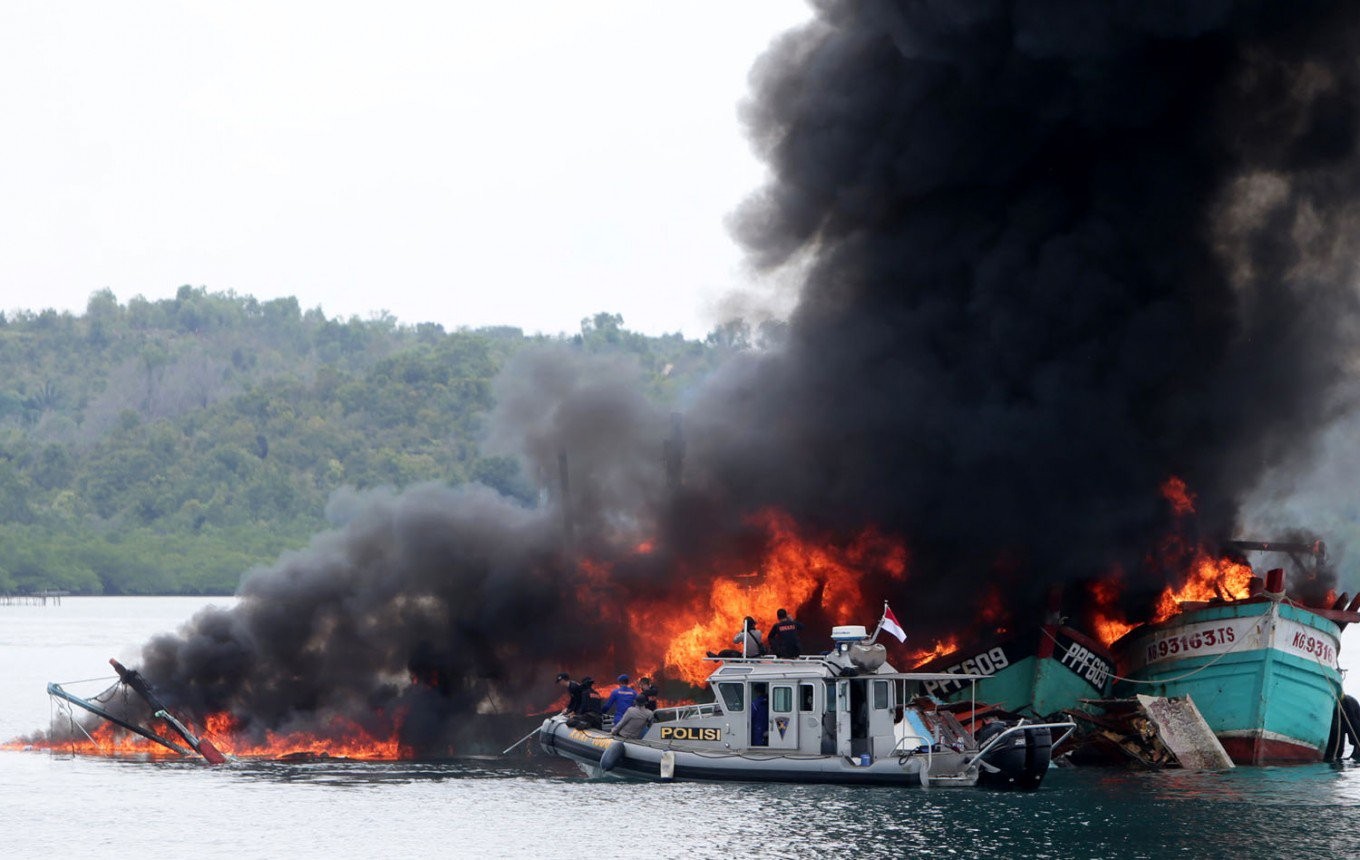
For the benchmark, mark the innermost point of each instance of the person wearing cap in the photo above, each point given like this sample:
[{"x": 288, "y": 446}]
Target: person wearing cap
[
  {"x": 588, "y": 711},
  {"x": 573, "y": 693},
  {"x": 621, "y": 699}
]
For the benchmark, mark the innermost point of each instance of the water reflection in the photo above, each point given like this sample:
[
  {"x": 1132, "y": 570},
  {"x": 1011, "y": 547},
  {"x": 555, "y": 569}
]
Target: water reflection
[{"x": 535, "y": 807}]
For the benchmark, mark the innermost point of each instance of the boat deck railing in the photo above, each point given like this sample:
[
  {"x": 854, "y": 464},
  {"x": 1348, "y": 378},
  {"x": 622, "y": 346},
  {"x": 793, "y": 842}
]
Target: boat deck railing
[
  {"x": 922, "y": 744},
  {"x": 686, "y": 712},
  {"x": 770, "y": 658},
  {"x": 1023, "y": 726}
]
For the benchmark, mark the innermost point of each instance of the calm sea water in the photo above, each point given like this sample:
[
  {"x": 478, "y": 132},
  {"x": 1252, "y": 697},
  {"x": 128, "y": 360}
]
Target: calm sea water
[{"x": 533, "y": 807}]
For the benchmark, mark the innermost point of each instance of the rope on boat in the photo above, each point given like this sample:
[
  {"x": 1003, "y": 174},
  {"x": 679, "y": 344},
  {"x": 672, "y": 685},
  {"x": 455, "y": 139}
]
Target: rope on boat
[
  {"x": 74, "y": 723},
  {"x": 89, "y": 680},
  {"x": 1191, "y": 673}
]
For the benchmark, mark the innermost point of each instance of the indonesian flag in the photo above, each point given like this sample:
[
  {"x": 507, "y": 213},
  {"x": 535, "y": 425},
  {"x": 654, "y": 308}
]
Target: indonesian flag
[{"x": 889, "y": 623}]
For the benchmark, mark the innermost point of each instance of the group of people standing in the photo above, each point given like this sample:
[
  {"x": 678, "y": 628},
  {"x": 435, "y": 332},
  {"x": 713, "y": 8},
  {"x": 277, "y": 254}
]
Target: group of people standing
[
  {"x": 631, "y": 708},
  {"x": 782, "y": 641}
]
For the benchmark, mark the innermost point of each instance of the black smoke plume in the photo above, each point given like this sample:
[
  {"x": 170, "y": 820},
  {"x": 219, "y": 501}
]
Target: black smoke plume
[
  {"x": 1056, "y": 253},
  {"x": 1051, "y": 254}
]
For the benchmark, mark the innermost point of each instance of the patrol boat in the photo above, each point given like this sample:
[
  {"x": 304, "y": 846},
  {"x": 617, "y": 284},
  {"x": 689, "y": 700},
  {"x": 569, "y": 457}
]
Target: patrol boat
[{"x": 842, "y": 717}]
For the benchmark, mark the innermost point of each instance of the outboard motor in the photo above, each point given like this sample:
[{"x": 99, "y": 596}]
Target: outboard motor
[{"x": 1019, "y": 761}]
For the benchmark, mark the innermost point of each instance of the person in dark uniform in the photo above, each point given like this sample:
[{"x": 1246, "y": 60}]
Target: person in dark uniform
[
  {"x": 573, "y": 693},
  {"x": 760, "y": 719},
  {"x": 588, "y": 712},
  {"x": 783, "y": 638}
]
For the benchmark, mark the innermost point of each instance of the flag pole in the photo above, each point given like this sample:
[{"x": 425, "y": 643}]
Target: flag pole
[{"x": 879, "y": 628}]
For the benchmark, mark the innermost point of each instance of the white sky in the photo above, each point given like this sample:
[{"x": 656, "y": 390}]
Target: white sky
[{"x": 520, "y": 163}]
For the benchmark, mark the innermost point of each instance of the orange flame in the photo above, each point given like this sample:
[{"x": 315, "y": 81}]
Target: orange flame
[
  {"x": 795, "y": 571},
  {"x": 1208, "y": 578},
  {"x": 1175, "y": 491},
  {"x": 941, "y": 648},
  {"x": 106, "y": 739},
  {"x": 1108, "y": 619},
  {"x": 340, "y": 737}
]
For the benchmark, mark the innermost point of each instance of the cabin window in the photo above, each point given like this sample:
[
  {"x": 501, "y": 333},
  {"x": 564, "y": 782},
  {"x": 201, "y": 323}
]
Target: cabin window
[
  {"x": 881, "y": 695},
  {"x": 781, "y": 699},
  {"x": 806, "y": 700},
  {"x": 733, "y": 696}
]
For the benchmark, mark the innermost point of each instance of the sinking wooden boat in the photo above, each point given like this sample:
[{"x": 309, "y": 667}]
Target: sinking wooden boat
[{"x": 1049, "y": 669}]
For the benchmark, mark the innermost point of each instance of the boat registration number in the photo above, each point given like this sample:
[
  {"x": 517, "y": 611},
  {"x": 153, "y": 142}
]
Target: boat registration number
[
  {"x": 1313, "y": 646},
  {"x": 690, "y": 733},
  {"x": 986, "y": 663},
  {"x": 1241, "y": 635},
  {"x": 1189, "y": 643}
]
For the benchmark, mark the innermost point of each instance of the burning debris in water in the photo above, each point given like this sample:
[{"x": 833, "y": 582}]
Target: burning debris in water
[{"x": 1073, "y": 275}]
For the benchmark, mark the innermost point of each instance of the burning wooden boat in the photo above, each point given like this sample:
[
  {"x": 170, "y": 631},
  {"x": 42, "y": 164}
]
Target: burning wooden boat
[
  {"x": 1262, "y": 669},
  {"x": 1050, "y": 669},
  {"x": 843, "y": 717},
  {"x": 133, "y": 680}
]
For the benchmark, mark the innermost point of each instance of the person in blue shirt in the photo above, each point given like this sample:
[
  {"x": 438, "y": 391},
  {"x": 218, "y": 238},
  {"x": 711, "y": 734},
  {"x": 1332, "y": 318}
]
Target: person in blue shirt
[{"x": 621, "y": 699}]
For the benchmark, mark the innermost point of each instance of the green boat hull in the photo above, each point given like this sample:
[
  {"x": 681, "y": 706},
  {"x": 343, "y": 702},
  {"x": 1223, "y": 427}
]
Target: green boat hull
[{"x": 1050, "y": 670}]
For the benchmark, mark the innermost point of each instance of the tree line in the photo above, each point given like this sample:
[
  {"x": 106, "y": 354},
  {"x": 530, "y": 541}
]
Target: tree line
[{"x": 167, "y": 447}]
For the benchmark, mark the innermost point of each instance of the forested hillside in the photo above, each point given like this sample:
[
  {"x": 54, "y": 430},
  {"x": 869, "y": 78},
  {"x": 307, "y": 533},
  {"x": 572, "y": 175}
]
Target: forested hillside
[{"x": 167, "y": 447}]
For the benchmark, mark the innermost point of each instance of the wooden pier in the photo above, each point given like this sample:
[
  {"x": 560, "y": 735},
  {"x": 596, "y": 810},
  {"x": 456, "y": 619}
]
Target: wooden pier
[{"x": 37, "y": 598}]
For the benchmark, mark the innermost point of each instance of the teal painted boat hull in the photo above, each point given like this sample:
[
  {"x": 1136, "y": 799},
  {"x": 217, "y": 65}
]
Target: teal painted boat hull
[
  {"x": 1263, "y": 674},
  {"x": 1050, "y": 670}
]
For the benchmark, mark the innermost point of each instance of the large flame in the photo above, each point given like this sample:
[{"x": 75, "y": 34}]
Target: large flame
[
  {"x": 104, "y": 739},
  {"x": 1207, "y": 578},
  {"x": 795, "y": 571},
  {"x": 339, "y": 737},
  {"x": 1200, "y": 574}
]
